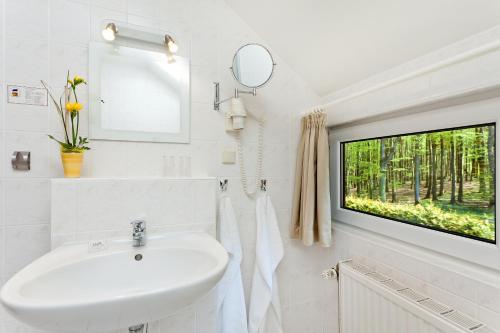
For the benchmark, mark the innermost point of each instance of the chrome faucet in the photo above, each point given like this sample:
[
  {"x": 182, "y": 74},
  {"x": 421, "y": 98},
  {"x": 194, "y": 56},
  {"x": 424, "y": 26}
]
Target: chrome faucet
[{"x": 138, "y": 233}]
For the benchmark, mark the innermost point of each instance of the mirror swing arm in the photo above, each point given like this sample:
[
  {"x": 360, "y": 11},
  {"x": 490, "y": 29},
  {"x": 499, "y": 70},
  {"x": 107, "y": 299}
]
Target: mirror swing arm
[
  {"x": 237, "y": 92},
  {"x": 258, "y": 55}
]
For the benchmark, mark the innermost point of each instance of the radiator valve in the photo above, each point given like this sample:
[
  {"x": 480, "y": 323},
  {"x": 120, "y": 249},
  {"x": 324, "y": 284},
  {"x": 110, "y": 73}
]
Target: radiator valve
[{"x": 329, "y": 274}]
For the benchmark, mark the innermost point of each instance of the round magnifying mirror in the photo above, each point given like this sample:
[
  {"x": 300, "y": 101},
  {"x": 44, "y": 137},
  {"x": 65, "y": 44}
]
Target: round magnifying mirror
[{"x": 253, "y": 65}]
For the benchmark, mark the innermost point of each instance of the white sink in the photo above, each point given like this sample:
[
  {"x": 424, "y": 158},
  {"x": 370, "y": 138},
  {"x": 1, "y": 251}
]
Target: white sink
[{"x": 74, "y": 289}]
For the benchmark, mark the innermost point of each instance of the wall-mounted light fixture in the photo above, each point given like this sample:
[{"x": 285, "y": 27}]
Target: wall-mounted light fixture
[
  {"x": 171, "y": 44},
  {"x": 172, "y": 48},
  {"x": 111, "y": 31}
]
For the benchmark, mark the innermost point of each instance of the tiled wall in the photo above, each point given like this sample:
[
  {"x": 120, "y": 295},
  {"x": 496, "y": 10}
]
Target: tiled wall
[
  {"x": 41, "y": 39},
  {"x": 103, "y": 208}
]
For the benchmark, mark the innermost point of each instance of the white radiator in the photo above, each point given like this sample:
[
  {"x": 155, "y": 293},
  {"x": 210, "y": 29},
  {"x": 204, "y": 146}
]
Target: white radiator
[{"x": 370, "y": 302}]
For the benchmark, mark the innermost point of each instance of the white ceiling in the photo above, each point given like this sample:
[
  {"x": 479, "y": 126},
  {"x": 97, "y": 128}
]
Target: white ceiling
[{"x": 335, "y": 43}]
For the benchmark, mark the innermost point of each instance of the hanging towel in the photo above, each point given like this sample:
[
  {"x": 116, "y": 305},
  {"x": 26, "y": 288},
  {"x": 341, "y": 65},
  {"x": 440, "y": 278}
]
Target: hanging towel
[
  {"x": 231, "y": 298},
  {"x": 265, "y": 310}
]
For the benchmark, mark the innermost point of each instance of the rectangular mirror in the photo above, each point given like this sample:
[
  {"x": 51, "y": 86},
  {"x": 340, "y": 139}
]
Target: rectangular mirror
[{"x": 136, "y": 95}]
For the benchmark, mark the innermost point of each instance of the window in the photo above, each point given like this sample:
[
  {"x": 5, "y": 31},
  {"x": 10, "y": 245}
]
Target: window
[{"x": 442, "y": 180}]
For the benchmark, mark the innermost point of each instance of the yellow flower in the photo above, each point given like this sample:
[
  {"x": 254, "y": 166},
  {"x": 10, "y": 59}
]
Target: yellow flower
[
  {"x": 77, "y": 80},
  {"x": 73, "y": 107}
]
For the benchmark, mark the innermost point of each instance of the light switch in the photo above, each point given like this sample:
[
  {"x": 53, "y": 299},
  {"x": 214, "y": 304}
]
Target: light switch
[{"x": 229, "y": 156}]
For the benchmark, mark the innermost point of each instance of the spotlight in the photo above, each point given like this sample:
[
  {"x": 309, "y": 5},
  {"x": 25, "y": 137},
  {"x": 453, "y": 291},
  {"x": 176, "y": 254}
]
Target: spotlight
[
  {"x": 171, "y": 45},
  {"x": 109, "y": 33}
]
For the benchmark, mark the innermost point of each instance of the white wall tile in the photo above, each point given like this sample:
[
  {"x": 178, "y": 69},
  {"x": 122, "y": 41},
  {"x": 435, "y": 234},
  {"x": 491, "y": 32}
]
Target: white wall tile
[
  {"x": 109, "y": 205},
  {"x": 488, "y": 296},
  {"x": 27, "y": 201},
  {"x": 69, "y": 29},
  {"x": 118, "y": 5},
  {"x": 27, "y": 19},
  {"x": 2, "y": 165},
  {"x": 26, "y": 117},
  {"x": 2, "y": 106},
  {"x": 2, "y": 260},
  {"x": 63, "y": 58},
  {"x": 24, "y": 244},
  {"x": 148, "y": 8},
  {"x": 22, "y": 67},
  {"x": 202, "y": 79}
]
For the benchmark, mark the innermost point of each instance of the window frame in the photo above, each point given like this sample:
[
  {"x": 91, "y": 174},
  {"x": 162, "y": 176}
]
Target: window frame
[
  {"x": 463, "y": 248},
  {"x": 342, "y": 159}
]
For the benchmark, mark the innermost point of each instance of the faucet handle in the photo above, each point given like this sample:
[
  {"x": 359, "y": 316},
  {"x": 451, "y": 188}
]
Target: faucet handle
[{"x": 138, "y": 225}]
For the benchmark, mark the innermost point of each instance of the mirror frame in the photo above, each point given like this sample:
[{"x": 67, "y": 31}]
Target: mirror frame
[
  {"x": 234, "y": 58},
  {"x": 96, "y": 132}
]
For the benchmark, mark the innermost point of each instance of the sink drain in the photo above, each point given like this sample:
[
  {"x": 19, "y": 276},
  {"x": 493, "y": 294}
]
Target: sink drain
[{"x": 138, "y": 257}]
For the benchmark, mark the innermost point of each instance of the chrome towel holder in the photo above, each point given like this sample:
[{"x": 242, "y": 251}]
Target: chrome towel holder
[{"x": 223, "y": 183}]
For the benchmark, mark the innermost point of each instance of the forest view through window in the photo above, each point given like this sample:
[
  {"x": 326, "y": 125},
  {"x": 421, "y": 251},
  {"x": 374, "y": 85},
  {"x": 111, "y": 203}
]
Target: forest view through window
[{"x": 442, "y": 180}]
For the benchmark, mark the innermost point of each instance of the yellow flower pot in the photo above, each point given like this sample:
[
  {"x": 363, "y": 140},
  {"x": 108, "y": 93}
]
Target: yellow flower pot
[{"x": 72, "y": 164}]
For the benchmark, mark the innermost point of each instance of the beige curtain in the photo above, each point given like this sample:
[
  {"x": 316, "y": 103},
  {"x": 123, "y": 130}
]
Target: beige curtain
[{"x": 311, "y": 214}]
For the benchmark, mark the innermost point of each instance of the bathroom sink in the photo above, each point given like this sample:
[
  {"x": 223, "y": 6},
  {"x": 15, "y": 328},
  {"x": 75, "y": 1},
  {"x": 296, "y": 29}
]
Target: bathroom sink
[{"x": 111, "y": 285}]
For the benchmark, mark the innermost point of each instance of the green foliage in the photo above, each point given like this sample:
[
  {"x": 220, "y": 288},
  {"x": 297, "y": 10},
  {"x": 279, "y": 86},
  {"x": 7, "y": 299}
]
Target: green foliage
[
  {"x": 443, "y": 179},
  {"x": 68, "y": 109},
  {"x": 427, "y": 214}
]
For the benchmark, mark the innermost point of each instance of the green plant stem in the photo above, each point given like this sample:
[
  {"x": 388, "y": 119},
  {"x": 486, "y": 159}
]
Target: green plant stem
[
  {"x": 61, "y": 112},
  {"x": 73, "y": 129},
  {"x": 77, "y": 124},
  {"x": 74, "y": 93}
]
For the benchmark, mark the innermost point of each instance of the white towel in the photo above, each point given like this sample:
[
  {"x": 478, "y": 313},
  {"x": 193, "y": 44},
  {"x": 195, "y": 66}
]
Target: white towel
[
  {"x": 231, "y": 298},
  {"x": 265, "y": 311}
]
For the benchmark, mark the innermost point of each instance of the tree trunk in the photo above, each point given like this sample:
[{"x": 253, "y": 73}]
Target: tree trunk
[
  {"x": 460, "y": 171},
  {"x": 452, "y": 170},
  {"x": 393, "y": 184},
  {"x": 491, "y": 162},
  {"x": 482, "y": 161},
  {"x": 358, "y": 176},
  {"x": 346, "y": 171},
  {"x": 441, "y": 168},
  {"x": 383, "y": 171},
  {"x": 416, "y": 172},
  {"x": 385, "y": 157},
  {"x": 429, "y": 170},
  {"x": 434, "y": 170},
  {"x": 370, "y": 175}
]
